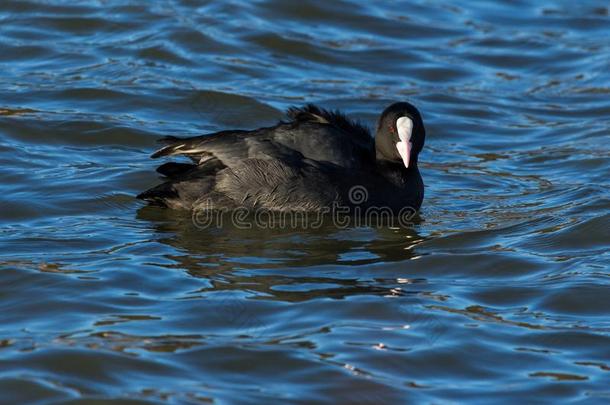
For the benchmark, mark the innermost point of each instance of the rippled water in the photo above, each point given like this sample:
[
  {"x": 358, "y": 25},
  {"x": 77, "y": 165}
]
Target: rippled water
[{"x": 500, "y": 291}]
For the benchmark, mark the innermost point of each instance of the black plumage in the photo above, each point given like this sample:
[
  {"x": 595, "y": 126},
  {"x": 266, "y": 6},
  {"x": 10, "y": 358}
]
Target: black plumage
[{"x": 309, "y": 162}]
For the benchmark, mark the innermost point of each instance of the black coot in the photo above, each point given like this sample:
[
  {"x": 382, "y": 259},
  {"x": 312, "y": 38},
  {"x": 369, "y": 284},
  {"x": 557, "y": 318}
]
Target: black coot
[{"x": 316, "y": 160}]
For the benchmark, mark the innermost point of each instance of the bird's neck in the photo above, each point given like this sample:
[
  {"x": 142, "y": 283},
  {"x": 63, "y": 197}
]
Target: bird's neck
[{"x": 396, "y": 172}]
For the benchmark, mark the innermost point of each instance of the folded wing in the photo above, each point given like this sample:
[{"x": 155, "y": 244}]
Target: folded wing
[{"x": 287, "y": 166}]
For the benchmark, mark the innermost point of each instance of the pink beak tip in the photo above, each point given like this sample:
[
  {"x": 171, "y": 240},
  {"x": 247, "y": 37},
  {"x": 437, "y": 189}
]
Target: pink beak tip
[{"x": 404, "y": 149}]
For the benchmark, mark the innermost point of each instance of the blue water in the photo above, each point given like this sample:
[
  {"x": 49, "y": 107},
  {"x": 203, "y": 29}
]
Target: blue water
[{"x": 499, "y": 292}]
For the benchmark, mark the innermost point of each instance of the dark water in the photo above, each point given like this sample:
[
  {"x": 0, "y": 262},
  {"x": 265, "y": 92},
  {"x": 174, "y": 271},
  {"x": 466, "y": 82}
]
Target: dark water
[{"x": 500, "y": 291}]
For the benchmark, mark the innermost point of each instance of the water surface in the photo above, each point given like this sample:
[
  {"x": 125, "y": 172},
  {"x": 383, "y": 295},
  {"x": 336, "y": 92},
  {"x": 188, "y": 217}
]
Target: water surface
[{"x": 499, "y": 292}]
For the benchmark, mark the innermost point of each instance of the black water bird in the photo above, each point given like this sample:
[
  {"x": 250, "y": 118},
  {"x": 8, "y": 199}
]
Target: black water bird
[{"x": 315, "y": 160}]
